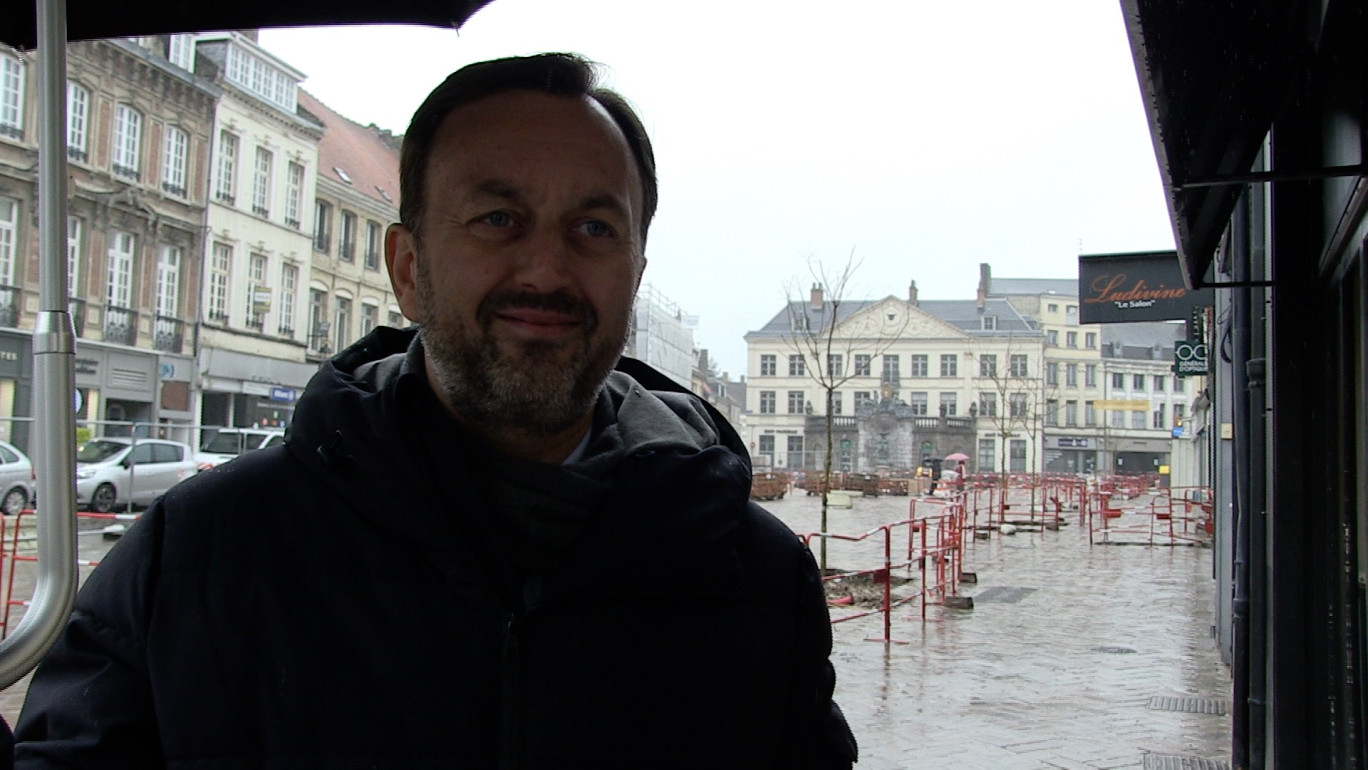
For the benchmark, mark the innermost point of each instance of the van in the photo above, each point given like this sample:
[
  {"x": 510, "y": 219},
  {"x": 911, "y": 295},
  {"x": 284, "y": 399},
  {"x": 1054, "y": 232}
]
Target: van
[{"x": 223, "y": 444}]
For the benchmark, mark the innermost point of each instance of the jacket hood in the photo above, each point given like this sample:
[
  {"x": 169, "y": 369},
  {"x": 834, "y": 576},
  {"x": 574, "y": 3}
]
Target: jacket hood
[{"x": 352, "y": 416}]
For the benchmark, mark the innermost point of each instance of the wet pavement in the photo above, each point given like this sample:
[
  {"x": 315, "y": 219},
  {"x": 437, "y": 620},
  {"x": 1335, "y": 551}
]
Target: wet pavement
[{"x": 1074, "y": 656}]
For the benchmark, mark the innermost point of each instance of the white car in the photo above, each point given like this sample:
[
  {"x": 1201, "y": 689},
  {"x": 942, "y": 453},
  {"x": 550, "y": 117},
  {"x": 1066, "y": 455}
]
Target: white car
[
  {"x": 115, "y": 471},
  {"x": 16, "y": 480},
  {"x": 227, "y": 443}
]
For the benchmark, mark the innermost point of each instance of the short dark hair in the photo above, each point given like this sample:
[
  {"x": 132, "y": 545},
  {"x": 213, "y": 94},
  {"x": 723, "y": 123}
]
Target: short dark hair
[{"x": 558, "y": 74}]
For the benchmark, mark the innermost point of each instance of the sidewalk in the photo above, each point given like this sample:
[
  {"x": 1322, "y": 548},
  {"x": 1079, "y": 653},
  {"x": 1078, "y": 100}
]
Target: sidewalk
[{"x": 1073, "y": 656}]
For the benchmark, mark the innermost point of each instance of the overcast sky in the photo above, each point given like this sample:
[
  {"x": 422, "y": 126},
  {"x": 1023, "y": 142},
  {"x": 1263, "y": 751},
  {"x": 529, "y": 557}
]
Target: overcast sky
[{"x": 923, "y": 137}]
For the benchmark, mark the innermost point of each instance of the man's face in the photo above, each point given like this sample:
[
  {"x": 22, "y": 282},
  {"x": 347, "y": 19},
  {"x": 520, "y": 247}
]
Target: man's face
[{"x": 528, "y": 258}]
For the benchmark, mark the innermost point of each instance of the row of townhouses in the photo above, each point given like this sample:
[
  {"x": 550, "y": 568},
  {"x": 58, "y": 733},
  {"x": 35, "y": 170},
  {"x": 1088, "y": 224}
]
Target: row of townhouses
[
  {"x": 224, "y": 232},
  {"x": 1009, "y": 379}
]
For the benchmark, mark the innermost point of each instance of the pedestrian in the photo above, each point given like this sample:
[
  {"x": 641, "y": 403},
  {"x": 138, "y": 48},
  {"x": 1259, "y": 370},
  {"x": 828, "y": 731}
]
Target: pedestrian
[
  {"x": 960, "y": 475},
  {"x": 481, "y": 545},
  {"x": 935, "y": 473}
]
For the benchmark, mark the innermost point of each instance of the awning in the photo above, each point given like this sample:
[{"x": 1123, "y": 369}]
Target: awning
[{"x": 1213, "y": 74}]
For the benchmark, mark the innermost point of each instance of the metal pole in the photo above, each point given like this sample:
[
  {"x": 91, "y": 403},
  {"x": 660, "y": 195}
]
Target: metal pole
[{"x": 54, "y": 352}]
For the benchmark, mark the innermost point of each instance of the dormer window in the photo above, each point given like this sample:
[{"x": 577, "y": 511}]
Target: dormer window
[{"x": 988, "y": 322}]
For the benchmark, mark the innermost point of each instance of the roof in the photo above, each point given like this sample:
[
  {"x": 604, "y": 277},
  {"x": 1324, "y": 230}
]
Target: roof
[
  {"x": 1000, "y": 287},
  {"x": 963, "y": 314},
  {"x": 1142, "y": 339},
  {"x": 370, "y": 164}
]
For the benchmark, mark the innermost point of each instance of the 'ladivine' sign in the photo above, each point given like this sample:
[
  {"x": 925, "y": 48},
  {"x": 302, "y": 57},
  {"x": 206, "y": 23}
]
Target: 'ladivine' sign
[{"x": 1148, "y": 286}]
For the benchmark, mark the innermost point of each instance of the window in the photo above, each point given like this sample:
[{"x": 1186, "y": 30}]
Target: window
[
  {"x": 863, "y": 398},
  {"x": 769, "y": 366},
  {"x": 322, "y": 227},
  {"x": 1178, "y": 385},
  {"x": 1118, "y": 380},
  {"x": 987, "y": 454},
  {"x": 173, "y": 162},
  {"x": 370, "y": 318},
  {"x": 1052, "y": 308},
  {"x": 342, "y": 322},
  {"x": 1138, "y": 420},
  {"x": 836, "y": 402},
  {"x": 1179, "y": 414},
  {"x": 259, "y": 77},
  {"x": 988, "y": 405},
  {"x": 1051, "y": 412},
  {"x": 396, "y": 320},
  {"x": 862, "y": 367},
  {"x": 225, "y": 188},
  {"x": 220, "y": 268},
  {"x": 1090, "y": 375},
  {"x": 1071, "y": 314},
  {"x": 347, "y": 249},
  {"x": 9, "y": 223},
  {"x": 318, "y": 324},
  {"x": 75, "y": 233},
  {"x": 258, "y": 293},
  {"x": 795, "y": 451},
  {"x": 1090, "y": 340},
  {"x": 1018, "y": 365},
  {"x": 1159, "y": 418},
  {"x": 372, "y": 245},
  {"x": 127, "y": 142},
  {"x": 917, "y": 400},
  {"x": 1071, "y": 339},
  {"x": 835, "y": 365},
  {"x": 767, "y": 402},
  {"x": 11, "y": 97},
  {"x": 890, "y": 368},
  {"x": 1052, "y": 338},
  {"x": 1017, "y": 405},
  {"x": 1138, "y": 381},
  {"x": 1089, "y": 413},
  {"x": 949, "y": 365},
  {"x": 797, "y": 367},
  {"x": 119, "y": 291},
  {"x": 1017, "y": 455},
  {"x": 767, "y": 446},
  {"x": 988, "y": 322},
  {"x": 180, "y": 51},
  {"x": 920, "y": 365},
  {"x": 795, "y": 402},
  {"x": 949, "y": 404},
  {"x": 988, "y": 365},
  {"x": 261, "y": 182},
  {"x": 289, "y": 284},
  {"x": 1071, "y": 414},
  {"x": 294, "y": 195},
  {"x": 1071, "y": 375},
  {"x": 78, "y": 122},
  {"x": 1117, "y": 418},
  {"x": 1052, "y": 373},
  {"x": 168, "y": 282},
  {"x": 1159, "y": 383}
]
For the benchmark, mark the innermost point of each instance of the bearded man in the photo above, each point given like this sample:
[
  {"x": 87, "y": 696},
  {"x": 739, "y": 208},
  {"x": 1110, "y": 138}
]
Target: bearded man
[{"x": 481, "y": 546}]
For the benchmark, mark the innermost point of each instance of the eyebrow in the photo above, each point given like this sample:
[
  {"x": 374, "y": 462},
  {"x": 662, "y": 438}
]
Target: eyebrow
[{"x": 500, "y": 189}]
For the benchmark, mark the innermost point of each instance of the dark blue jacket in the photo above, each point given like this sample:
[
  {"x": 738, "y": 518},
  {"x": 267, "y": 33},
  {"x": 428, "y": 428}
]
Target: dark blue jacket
[{"x": 331, "y": 604}]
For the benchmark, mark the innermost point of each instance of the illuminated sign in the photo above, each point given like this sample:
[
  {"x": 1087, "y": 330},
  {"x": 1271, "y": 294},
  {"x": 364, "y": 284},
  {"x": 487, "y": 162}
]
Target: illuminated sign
[{"x": 1116, "y": 288}]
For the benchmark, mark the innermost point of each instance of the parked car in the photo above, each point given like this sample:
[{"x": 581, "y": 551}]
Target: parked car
[
  {"x": 114, "y": 471},
  {"x": 16, "y": 480},
  {"x": 226, "y": 443}
]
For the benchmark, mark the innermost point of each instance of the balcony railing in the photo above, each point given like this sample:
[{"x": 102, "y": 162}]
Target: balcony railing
[
  {"x": 76, "y": 308},
  {"x": 218, "y": 317},
  {"x": 285, "y": 331},
  {"x": 173, "y": 189},
  {"x": 256, "y": 321},
  {"x": 292, "y": 223},
  {"x": 168, "y": 334},
  {"x": 77, "y": 154},
  {"x": 121, "y": 325},
  {"x": 260, "y": 211},
  {"x": 13, "y": 132},
  {"x": 9, "y": 306},
  {"x": 127, "y": 172},
  {"x": 225, "y": 197}
]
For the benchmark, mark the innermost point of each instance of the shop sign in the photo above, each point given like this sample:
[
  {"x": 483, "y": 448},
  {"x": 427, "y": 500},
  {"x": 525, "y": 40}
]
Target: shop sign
[
  {"x": 1189, "y": 358},
  {"x": 1074, "y": 442},
  {"x": 287, "y": 395},
  {"x": 1149, "y": 286}
]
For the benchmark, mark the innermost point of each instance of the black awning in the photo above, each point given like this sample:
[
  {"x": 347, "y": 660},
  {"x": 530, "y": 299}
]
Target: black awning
[
  {"x": 1213, "y": 74},
  {"x": 90, "y": 19}
]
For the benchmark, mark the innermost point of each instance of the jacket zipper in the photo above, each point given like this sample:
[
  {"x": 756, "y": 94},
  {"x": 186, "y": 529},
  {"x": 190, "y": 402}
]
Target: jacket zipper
[{"x": 510, "y": 722}]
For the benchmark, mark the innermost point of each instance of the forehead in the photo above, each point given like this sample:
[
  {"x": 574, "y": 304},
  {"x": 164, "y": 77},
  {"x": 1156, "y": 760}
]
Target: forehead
[{"x": 520, "y": 133}]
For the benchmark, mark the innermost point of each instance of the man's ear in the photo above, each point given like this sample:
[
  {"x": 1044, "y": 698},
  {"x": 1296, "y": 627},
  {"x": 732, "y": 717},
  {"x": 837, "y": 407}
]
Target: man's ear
[{"x": 401, "y": 260}]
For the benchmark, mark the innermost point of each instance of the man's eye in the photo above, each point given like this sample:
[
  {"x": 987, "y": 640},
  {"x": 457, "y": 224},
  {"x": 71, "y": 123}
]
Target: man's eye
[
  {"x": 596, "y": 229},
  {"x": 497, "y": 219}
]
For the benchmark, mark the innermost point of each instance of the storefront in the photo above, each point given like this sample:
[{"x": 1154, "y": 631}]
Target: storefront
[
  {"x": 244, "y": 391},
  {"x": 1070, "y": 454}
]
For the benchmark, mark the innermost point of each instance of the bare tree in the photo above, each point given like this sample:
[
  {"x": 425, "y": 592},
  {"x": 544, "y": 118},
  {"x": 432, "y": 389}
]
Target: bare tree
[
  {"x": 826, "y": 331},
  {"x": 1015, "y": 401}
]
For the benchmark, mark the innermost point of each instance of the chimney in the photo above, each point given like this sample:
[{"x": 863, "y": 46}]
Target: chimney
[
  {"x": 985, "y": 284},
  {"x": 912, "y": 294},
  {"x": 816, "y": 296}
]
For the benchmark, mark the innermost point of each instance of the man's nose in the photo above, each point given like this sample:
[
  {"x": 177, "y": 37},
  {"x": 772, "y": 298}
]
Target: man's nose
[{"x": 543, "y": 259}]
